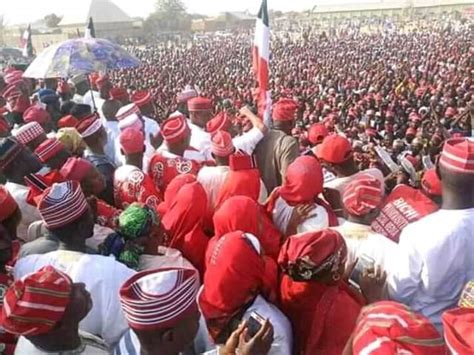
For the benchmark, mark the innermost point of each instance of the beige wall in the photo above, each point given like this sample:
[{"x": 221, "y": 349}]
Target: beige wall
[{"x": 39, "y": 41}]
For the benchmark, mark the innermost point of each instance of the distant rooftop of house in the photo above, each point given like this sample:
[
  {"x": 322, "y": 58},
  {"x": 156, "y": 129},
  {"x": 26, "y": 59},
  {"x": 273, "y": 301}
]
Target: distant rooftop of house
[{"x": 101, "y": 11}]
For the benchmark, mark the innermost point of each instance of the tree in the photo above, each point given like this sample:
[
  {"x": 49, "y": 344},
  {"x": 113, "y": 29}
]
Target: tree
[
  {"x": 169, "y": 15},
  {"x": 52, "y": 20},
  {"x": 170, "y": 6}
]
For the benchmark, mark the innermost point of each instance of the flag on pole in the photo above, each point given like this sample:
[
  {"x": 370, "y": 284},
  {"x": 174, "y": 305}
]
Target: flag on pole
[
  {"x": 26, "y": 43},
  {"x": 90, "y": 30},
  {"x": 261, "y": 61}
]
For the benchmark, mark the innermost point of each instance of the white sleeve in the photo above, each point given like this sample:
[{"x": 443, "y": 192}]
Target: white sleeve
[
  {"x": 112, "y": 312},
  {"x": 263, "y": 195},
  {"x": 281, "y": 215},
  {"x": 248, "y": 141},
  {"x": 151, "y": 127},
  {"x": 319, "y": 220},
  {"x": 404, "y": 276}
]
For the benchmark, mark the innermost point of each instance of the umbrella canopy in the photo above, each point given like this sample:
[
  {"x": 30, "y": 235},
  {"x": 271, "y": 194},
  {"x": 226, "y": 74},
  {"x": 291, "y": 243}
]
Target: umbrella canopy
[{"x": 79, "y": 56}]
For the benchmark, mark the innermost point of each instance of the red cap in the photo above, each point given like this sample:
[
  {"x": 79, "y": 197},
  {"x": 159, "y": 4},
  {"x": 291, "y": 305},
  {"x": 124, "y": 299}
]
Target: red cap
[
  {"x": 141, "y": 98},
  {"x": 431, "y": 183},
  {"x": 199, "y": 104},
  {"x": 89, "y": 126},
  {"x": 392, "y": 328},
  {"x": 241, "y": 161},
  {"x": 317, "y": 133},
  {"x": 159, "y": 299},
  {"x": 459, "y": 330},
  {"x": 127, "y": 110},
  {"x": 335, "y": 149},
  {"x": 11, "y": 92},
  {"x": 284, "y": 110},
  {"x": 187, "y": 94},
  {"x": 12, "y": 76},
  {"x": 411, "y": 131},
  {"x": 8, "y": 204},
  {"x": 76, "y": 169},
  {"x": 222, "y": 145},
  {"x": 458, "y": 155},
  {"x": 174, "y": 129},
  {"x": 120, "y": 94},
  {"x": 21, "y": 104},
  {"x": 28, "y": 132},
  {"x": 362, "y": 195},
  {"x": 36, "y": 114},
  {"x": 35, "y": 304},
  {"x": 220, "y": 122},
  {"x": 132, "y": 141},
  {"x": 68, "y": 121},
  {"x": 48, "y": 149}
]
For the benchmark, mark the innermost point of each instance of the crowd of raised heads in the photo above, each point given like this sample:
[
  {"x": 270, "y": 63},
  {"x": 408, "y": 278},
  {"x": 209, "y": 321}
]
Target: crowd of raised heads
[{"x": 154, "y": 211}]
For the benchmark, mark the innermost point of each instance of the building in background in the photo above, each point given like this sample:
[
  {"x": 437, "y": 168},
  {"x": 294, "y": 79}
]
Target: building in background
[
  {"x": 110, "y": 22},
  {"x": 391, "y": 8},
  {"x": 226, "y": 21}
]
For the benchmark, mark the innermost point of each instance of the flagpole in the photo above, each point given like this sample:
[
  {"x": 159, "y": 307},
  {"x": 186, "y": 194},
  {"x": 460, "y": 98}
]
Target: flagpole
[{"x": 261, "y": 62}]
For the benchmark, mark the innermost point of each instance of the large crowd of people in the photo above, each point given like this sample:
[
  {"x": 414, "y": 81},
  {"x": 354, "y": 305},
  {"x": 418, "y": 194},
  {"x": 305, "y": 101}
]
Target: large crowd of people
[{"x": 153, "y": 211}]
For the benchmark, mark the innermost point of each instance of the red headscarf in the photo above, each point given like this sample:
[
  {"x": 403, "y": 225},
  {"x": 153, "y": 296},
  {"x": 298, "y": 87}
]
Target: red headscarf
[
  {"x": 183, "y": 222},
  {"x": 240, "y": 183},
  {"x": 244, "y": 214},
  {"x": 235, "y": 275},
  {"x": 174, "y": 186},
  {"x": 316, "y": 309},
  {"x": 303, "y": 184}
]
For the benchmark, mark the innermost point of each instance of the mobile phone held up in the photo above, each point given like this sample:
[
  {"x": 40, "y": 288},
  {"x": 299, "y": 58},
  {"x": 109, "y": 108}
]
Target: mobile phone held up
[
  {"x": 363, "y": 262},
  {"x": 254, "y": 323}
]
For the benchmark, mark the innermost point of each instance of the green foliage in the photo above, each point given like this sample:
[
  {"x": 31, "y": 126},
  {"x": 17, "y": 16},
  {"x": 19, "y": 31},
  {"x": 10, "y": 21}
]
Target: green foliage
[
  {"x": 170, "y": 7},
  {"x": 52, "y": 20},
  {"x": 169, "y": 16}
]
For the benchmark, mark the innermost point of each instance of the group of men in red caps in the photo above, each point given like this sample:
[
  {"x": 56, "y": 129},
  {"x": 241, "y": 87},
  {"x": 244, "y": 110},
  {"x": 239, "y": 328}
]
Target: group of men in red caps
[{"x": 209, "y": 231}]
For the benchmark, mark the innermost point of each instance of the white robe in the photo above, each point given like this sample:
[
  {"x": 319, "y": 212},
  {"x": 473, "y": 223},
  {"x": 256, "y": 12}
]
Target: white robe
[
  {"x": 200, "y": 140},
  {"x": 435, "y": 260},
  {"x": 103, "y": 277}
]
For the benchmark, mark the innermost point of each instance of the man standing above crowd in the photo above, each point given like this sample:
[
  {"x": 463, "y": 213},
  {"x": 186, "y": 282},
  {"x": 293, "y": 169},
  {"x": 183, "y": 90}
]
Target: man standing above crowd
[
  {"x": 200, "y": 112},
  {"x": 435, "y": 254},
  {"x": 278, "y": 148}
]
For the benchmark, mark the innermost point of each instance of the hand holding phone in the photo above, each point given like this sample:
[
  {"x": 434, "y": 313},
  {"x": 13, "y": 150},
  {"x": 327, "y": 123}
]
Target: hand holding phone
[{"x": 254, "y": 323}]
